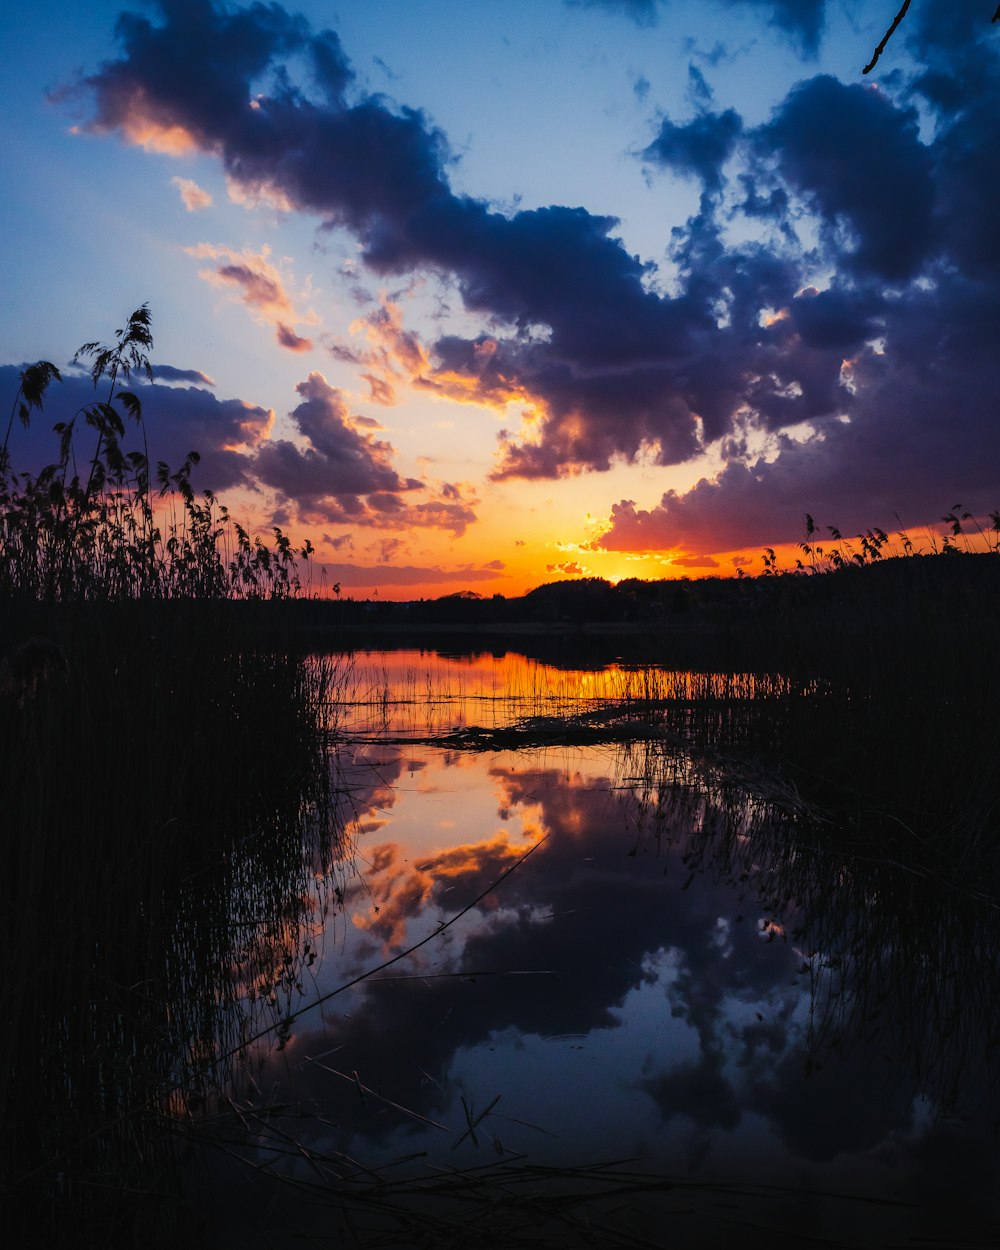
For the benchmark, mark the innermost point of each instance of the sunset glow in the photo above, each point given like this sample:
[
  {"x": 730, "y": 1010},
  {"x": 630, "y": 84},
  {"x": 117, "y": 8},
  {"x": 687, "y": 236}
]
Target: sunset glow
[{"x": 477, "y": 300}]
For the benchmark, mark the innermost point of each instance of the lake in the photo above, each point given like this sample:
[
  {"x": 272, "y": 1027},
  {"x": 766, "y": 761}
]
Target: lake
[{"x": 619, "y": 992}]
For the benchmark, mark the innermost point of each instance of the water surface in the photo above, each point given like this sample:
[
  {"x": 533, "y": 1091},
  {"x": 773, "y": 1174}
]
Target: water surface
[{"x": 622, "y": 952}]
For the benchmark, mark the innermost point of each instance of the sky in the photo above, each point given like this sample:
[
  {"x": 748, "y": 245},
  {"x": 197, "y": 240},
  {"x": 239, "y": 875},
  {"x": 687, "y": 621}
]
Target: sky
[{"x": 477, "y": 295}]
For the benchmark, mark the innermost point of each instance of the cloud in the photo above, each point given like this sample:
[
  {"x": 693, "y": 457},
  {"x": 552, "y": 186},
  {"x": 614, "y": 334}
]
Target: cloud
[
  {"x": 408, "y": 574},
  {"x": 193, "y": 196},
  {"x": 868, "y": 231},
  {"x": 290, "y": 340},
  {"x": 380, "y": 391},
  {"x": 801, "y": 20},
  {"x": 868, "y": 177},
  {"x": 344, "y": 474},
  {"x": 451, "y": 876},
  {"x": 642, "y": 12},
  {"x": 608, "y": 342},
  {"x": 698, "y": 148},
  {"x": 695, "y": 562},
  {"x": 257, "y": 197},
  {"x": 341, "y": 463},
  {"x": 389, "y": 352},
  {"x": 911, "y": 310},
  {"x": 168, "y": 373},
  {"x": 542, "y": 918},
  {"x": 225, "y": 433},
  {"x": 921, "y": 434},
  {"x": 699, "y": 1090},
  {"x": 259, "y": 285},
  {"x": 678, "y": 1007},
  {"x": 388, "y": 547}
]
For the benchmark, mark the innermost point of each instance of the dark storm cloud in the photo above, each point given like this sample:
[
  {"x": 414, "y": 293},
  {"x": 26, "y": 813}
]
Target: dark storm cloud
[
  {"x": 959, "y": 46},
  {"x": 753, "y": 336},
  {"x": 178, "y": 420},
  {"x": 938, "y": 27},
  {"x": 341, "y": 460},
  {"x": 923, "y": 425},
  {"x": 915, "y": 273},
  {"x": 343, "y": 473},
  {"x": 609, "y": 362},
  {"x": 859, "y": 161},
  {"x": 840, "y": 318},
  {"x": 923, "y": 433},
  {"x": 698, "y": 148}
]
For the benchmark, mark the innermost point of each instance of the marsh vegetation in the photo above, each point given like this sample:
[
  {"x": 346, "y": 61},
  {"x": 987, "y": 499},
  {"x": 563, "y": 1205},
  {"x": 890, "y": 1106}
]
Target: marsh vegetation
[
  {"x": 165, "y": 795},
  {"x": 347, "y": 931}
]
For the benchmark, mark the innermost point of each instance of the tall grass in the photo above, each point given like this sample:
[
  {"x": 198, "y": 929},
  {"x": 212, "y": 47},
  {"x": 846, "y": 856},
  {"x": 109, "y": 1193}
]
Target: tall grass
[
  {"x": 885, "y": 957},
  {"x": 166, "y": 799},
  {"x": 897, "y": 957},
  {"x": 409, "y": 694},
  {"x": 164, "y": 770},
  {"x": 904, "y": 738},
  {"x": 107, "y": 524}
]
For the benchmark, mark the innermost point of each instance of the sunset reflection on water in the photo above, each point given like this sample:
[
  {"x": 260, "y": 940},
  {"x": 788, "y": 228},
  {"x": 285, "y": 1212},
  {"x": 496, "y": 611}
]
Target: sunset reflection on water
[
  {"x": 616, "y": 996},
  {"x": 425, "y": 692}
]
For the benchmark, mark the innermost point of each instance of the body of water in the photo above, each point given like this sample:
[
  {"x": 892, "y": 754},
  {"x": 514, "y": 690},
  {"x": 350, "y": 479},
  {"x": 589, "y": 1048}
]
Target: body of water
[{"x": 615, "y": 986}]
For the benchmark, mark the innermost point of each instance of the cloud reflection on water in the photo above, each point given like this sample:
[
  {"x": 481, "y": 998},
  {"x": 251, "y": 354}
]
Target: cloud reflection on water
[
  {"x": 658, "y": 980},
  {"x": 600, "y": 911}
]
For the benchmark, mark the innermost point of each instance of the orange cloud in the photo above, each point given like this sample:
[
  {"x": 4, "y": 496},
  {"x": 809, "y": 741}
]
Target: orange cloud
[
  {"x": 381, "y": 391},
  {"x": 345, "y": 475},
  {"x": 194, "y": 197},
  {"x": 398, "y": 889},
  {"x": 258, "y": 195},
  {"x": 288, "y": 338},
  {"x": 260, "y": 286},
  {"x": 390, "y": 353},
  {"x": 143, "y": 123}
]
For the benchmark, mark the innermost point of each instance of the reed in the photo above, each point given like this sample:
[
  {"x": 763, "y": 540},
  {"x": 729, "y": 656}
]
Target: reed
[
  {"x": 894, "y": 951},
  {"x": 167, "y": 803},
  {"x": 901, "y": 738},
  {"x": 889, "y": 959},
  {"x": 122, "y": 528},
  {"x": 159, "y": 797}
]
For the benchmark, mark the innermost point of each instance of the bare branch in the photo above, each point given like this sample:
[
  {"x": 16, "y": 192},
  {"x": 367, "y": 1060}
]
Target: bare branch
[{"x": 889, "y": 34}]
